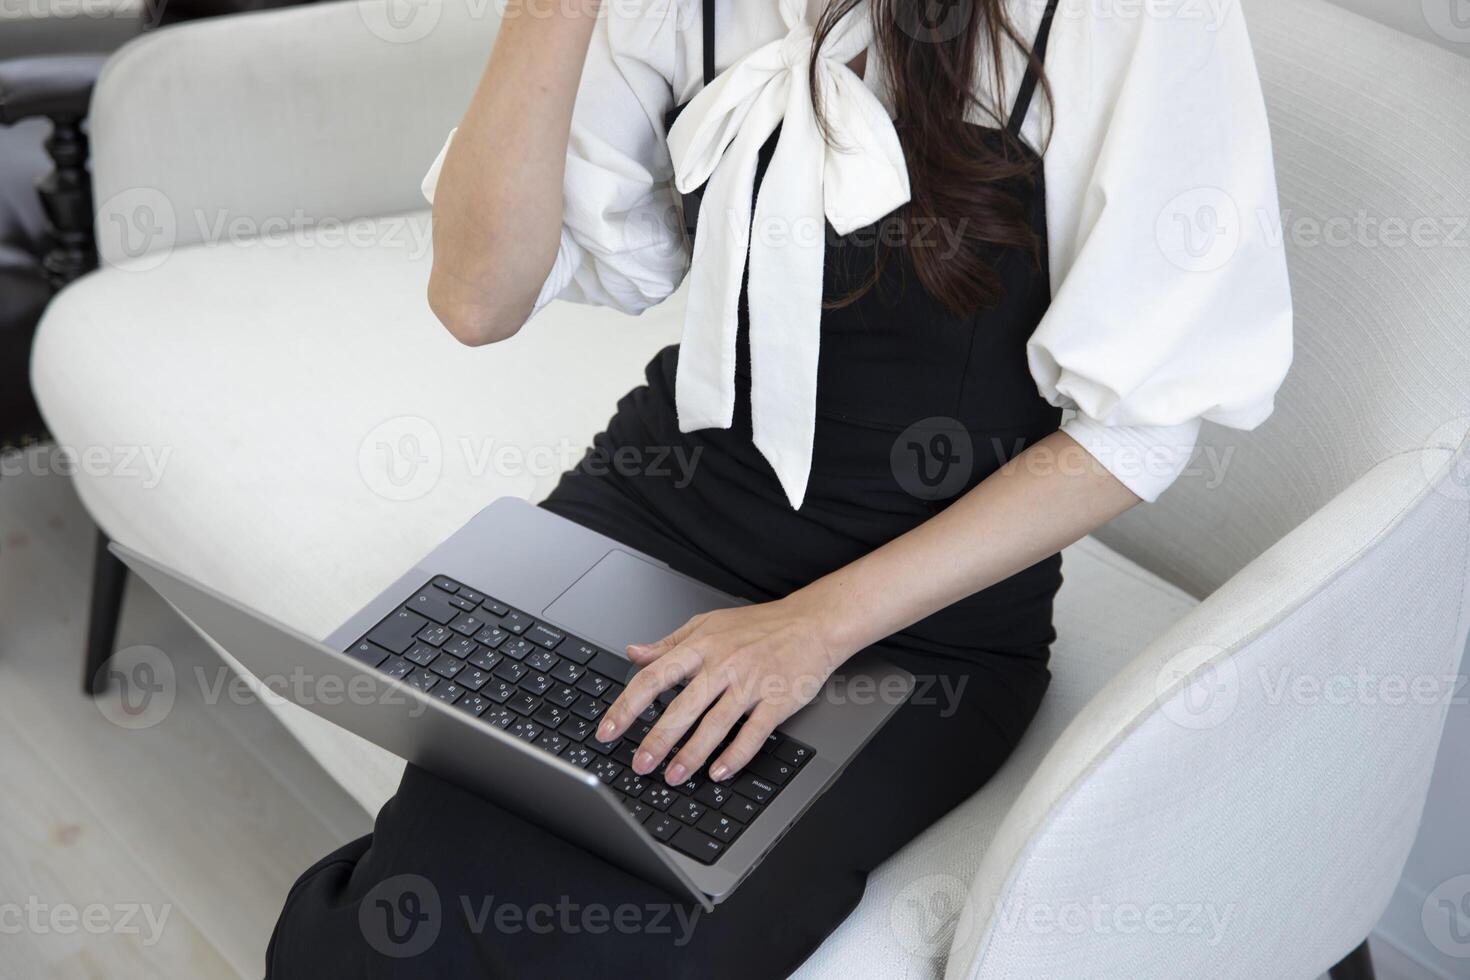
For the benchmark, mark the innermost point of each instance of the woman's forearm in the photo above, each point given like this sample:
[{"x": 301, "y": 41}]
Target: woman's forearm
[
  {"x": 1051, "y": 495},
  {"x": 498, "y": 204}
]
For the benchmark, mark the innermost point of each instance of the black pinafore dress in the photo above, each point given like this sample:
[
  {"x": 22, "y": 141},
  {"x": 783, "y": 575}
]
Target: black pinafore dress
[{"x": 915, "y": 406}]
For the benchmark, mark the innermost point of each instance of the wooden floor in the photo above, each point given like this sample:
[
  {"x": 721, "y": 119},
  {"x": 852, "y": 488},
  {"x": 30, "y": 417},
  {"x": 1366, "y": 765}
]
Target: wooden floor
[{"x": 159, "y": 851}]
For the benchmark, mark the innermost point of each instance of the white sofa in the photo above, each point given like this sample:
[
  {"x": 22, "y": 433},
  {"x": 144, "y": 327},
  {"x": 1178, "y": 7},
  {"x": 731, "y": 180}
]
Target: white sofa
[{"x": 1184, "y": 804}]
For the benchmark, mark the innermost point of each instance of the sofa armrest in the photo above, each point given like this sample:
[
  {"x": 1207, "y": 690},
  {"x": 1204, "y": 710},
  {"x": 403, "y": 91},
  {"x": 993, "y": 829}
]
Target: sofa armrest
[
  {"x": 57, "y": 87},
  {"x": 310, "y": 114},
  {"x": 1256, "y": 776}
]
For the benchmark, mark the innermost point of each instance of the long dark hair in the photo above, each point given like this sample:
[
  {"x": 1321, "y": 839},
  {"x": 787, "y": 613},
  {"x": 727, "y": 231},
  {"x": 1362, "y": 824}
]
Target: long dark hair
[{"x": 957, "y": 173}]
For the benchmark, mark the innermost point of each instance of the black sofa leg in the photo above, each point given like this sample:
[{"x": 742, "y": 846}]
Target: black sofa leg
[
  {"x": 1357, "y": 965},
  {"x": 109, "y": 576}
]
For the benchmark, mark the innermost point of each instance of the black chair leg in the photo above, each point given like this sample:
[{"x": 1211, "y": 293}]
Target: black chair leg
[
  {"x": 1357, "y": 965},
  {"x": 109, "y": 576}
]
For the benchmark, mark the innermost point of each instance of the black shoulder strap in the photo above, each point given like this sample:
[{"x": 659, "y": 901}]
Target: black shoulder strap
[
  {"x": 709, "y": 41},
  {"x": 1032, "y": 79}
]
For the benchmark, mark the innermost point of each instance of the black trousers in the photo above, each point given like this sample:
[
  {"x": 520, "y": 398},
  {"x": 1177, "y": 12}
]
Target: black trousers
[{"x": 450, "y": 884}]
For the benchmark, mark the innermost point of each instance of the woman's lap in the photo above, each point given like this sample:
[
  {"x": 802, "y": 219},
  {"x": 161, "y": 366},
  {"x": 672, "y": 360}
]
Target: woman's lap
[{"x": 450, "y": 883}]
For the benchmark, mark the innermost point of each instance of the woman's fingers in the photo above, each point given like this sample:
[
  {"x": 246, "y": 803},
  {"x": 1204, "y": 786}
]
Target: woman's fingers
[
  {"x": 647, "y": 684},
  {"x": 642, "y": 653},
  {"x": 678, "y": 718},
  {"x": 717, "y": 723},
  {"x": 753, "y": 734}
]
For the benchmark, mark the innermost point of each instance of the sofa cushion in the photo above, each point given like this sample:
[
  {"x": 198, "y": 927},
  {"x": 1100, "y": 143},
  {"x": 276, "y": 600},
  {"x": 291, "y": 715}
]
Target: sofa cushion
[{"x": 286, "y": 422}]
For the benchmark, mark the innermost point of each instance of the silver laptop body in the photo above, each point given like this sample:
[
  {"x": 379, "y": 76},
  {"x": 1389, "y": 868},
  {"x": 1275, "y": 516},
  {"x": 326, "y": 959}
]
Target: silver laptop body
[{"x": 587, "y": 586}]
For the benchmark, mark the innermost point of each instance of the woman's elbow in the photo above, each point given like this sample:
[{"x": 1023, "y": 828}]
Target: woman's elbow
[{"x": 472, "y": 323}]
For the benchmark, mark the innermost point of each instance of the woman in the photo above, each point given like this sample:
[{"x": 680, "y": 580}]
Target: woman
[{"x": 918, "y": 241}]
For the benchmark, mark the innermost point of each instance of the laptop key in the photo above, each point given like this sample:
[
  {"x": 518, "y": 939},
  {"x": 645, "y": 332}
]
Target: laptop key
[
  {"x": 563, "y": 697},
  {"x": 397, "y": 667},
  {"x": 499, "y": 691},
  {"x": 602, "y": 748},
  {"x": 542, "y": 660},
  {"x": 526, "y": 730},
  {"x": 433, "y": 605},
  {"x": 663, "y": 827},
  {"x": 546, "y": 636},
  {"x": 686, "y": 810},
  {"x": 579, "y": 756},
  {"x": 605, "y": 770},
  {"x": 465, "y": 592},
  {"x": 510, "y": 671},
  {"x": 500, "y": 716},
  {"x": 771, "y": 769},
  {"x": 718, "y": 826},
  {"x": 472, "y": 703},
  {"x": 551, "y": 716},
  {"x": 448, "y": 693},
  {"x": 630, "y": 784},
  {"x": 713, "y": 795},
  {"x": 474, "y": 678},
  {"x": 462, "y": 647},
  {"x": 593, "y": 684},
  {"x": 447, "y": 667},
  {"x": 523, "y": 703},
  {"x": 576, "y": 729},
  {"x": 422, "y": 679},
  {"x": 639, "y": 811},
  {"x": 515, "y": 622},
  {"x": 485, "y": 659},
  {"x": 516, "y": 648},
  {"x": 536, "y": 683},
  {"x": 435, "y": 636},
  {"x": 466, "y": 624},
  {"x": 491, "y": 636},
  {"x": 589, "y": 707},
  {"x": 613, "y": 666},
  {"x": 495, "y": 608},
  {"x": 792, "y": 752},
  {"x": 740, "y": 808},
  {"x": 578, "y": 651},
  {"x": 753, "y": 787},
  {"x": 369, "y": 653},
  {"x": 659, "y": 797},
  {"x": 625, "y": 750},
  {"x": 568, "y": 672},
  {"x": 459, "y": 602},
  {"x": 611, "y": 694},
  {"x": 396, "y": 633},
  {"x": 446, "y": 583},
  {"x": 552, "y": 742},
  {"x": 697, "y": 844}
]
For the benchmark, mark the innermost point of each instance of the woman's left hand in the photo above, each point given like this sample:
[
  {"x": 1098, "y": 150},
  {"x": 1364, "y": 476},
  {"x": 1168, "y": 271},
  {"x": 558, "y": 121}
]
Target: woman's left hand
[{"x": 765, "y": 660}]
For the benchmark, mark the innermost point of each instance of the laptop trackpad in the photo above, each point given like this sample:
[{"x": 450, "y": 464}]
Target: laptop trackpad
[{"x": 624, "y": 599}]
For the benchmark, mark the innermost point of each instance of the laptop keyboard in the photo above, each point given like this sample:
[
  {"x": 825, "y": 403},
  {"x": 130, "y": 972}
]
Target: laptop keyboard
[{"x": 551, "y": 689}]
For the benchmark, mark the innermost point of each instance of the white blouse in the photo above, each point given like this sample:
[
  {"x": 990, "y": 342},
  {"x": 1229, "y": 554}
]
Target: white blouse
[{"x": 1170, "y": 305}]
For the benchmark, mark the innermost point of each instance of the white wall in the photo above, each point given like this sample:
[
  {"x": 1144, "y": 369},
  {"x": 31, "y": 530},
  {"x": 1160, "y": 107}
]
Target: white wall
[{"x": 1403, "y": 948}]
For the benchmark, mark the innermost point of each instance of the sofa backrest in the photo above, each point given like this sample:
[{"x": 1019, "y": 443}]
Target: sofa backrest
[{"x": 1372, "y": 141}]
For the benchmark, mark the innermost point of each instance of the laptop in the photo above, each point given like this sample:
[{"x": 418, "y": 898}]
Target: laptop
[{"x": 491, "y": 662}]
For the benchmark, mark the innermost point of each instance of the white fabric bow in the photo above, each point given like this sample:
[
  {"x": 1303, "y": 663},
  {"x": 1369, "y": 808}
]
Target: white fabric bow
[{"x": 853, "y": 182}]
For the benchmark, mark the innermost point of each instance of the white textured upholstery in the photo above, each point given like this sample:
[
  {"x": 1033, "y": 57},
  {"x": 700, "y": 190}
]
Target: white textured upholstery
[{"x": 1334, "y": 549}]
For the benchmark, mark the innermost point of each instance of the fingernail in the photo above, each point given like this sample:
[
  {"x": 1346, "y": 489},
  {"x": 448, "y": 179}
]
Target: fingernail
[
  {"x": 643, "y": 763},
  {"x": 675, "y": 774},
  {"x": 720, "y": 771},
  {"x": 605, "y": 731}
]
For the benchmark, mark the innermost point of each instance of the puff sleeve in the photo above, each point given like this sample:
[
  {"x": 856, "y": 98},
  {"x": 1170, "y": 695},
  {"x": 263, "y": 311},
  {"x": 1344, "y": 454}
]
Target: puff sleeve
[{"x": 1171, "y": 299}]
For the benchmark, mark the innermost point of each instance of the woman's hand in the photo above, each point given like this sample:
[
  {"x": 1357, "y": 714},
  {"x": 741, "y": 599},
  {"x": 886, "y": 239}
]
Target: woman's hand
[{"x": 765, "y": 660}]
